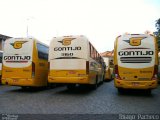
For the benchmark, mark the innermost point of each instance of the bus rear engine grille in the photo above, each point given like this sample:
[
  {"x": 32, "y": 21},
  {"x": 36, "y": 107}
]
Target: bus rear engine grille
[{"x": 136, "y": 59}]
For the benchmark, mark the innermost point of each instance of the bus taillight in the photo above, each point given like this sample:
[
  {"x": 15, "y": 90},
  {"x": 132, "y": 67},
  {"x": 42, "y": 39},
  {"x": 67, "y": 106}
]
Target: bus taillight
[
  {"x": 154, "y": 77},
  {"x": 48, "y": 65},
  {"x": 33, "y": 69},
  {"x": 117, "y": 72},
  {"x": 87, "y": 67},
  {"x": 48, "y": 68}
]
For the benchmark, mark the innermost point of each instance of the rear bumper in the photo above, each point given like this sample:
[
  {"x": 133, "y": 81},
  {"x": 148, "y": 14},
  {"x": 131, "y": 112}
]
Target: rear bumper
[
  {"x": 135, "y": 84},
  {"x": 18, "y": 81},
  {"x": 76, "y": 80},
  {"x": 107, "y": 76}
]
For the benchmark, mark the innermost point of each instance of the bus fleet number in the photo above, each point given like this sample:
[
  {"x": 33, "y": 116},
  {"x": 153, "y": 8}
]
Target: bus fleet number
[{"x": 67, "y": 54}]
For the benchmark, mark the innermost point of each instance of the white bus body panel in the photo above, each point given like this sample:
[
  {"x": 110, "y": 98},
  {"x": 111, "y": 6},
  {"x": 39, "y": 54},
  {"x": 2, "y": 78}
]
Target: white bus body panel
[
  {"x": 142, "y": 56},
  {"x": 18, "y": 55},
  {"x": 69, "y": 57}
]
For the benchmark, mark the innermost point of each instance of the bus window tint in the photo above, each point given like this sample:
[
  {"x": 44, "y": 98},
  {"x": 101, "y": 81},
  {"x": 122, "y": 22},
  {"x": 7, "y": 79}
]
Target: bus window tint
[
  {"x": 1, "y": 55},
  {"x": 42, "y": 51}
]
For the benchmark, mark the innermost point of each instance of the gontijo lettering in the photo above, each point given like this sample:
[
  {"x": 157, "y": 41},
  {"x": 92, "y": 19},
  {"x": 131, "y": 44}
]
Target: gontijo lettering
[
  {"x": 66, "y": 48},
  {"x": 17, "y": 57},
  {"x": 132, "y": 53}
]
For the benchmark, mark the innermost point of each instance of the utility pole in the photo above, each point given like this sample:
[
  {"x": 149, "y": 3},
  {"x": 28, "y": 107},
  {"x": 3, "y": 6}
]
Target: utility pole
[
  {"x": 27, "y": 27},
  {"x": 28, "y": 21}
]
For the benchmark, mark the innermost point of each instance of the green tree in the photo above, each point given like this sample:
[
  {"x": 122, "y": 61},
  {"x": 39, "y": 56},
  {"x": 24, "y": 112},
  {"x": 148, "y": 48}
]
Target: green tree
[
  {"x": 157, "y": 33},
  {"x": 158, "y": 25}
]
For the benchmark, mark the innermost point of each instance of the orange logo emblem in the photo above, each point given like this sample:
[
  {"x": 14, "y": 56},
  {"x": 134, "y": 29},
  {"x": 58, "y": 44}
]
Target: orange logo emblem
[
  {"x": 135, "y": 41},
  {"x": 66, "y": 41},
  {"x": 18, "y": 44}
]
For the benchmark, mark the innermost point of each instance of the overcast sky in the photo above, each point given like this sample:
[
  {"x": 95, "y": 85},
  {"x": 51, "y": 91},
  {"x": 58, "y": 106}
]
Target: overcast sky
[{"x": 99, "y": 20}]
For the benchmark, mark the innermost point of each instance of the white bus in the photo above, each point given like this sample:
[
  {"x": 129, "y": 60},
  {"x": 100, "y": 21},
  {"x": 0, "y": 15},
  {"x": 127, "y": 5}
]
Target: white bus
[
  {"x": 136, "y": 62},
  {"x": 108, "y": 75},
  {"x": 25, "y": 63},
  {"x": 73, "y": 60}
]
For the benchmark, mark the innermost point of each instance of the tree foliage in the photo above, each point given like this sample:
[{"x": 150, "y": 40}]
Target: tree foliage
[
  {"x": 157, "y": 33},
  {"x": 158, "y": 25}
]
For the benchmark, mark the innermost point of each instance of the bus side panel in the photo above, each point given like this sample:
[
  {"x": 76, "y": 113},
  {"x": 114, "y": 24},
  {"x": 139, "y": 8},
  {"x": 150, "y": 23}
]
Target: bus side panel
[
  {"x": 1, "y": 55},
  {"x": 115, "y": 51},
  {"x": 41, "y": 72},
  {"x": 115, "y": 58},
  {"x": 92, "y": 76},
  {"x": 41, "y": 68}
]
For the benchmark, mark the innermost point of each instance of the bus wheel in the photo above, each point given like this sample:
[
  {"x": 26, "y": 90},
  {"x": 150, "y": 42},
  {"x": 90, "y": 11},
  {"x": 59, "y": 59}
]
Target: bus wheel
[
  {"x": 24, "y": 87},
  {"x": 71, "y": 86},
  {"x": 94, "y": 86},
  {"x": 49, "y": 85},
  {"x": 111, "y": 77},
  {"x": 148, "y": 92},
  {"x": 103, "y": 79},
  {"x": 120, "y": 90}
]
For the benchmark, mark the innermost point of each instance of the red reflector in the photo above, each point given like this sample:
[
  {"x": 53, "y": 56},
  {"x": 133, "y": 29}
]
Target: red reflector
[
  {"x": 48, "y": 65},
  {"x": 117, "y": 72},
  {"x": 72, "y": 72},
  {"x": 154, "y": 77},
  {"x": 33, "y": 69},
  {"x": 87, "y": 67}
]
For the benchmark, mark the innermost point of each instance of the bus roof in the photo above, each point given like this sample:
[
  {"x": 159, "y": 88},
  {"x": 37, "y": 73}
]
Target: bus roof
[
  {"x": 70, "y": 36},
  {"x": 127, "y": 34},
  {"x": 29, "y": 38}
]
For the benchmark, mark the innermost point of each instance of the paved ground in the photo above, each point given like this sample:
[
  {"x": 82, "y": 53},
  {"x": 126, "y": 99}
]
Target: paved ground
[{"x": 104, "y": 100}]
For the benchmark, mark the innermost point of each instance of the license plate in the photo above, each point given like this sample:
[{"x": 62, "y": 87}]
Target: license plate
[
  {"x": 15, "y": 80},
  {"x": 72, "y": 72},
  {"x": 135, "y": 83}
]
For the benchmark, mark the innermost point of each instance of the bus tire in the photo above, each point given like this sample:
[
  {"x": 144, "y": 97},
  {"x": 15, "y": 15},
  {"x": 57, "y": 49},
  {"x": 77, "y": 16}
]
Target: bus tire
[
  {"x": 94, "y": 86},
  {"x": 120, "y": 90},
  {"x": 51, "y": 85},
  {"x": 103, "y": 79},
  {"x": 71, "y": 86},
  {"x": 111, "y": 77},
  {"x": 24, "y": 87},
  {"x": 148, "y": 92}
]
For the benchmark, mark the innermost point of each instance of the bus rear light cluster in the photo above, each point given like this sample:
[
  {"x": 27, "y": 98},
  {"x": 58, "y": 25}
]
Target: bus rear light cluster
[
  {"x": 48, "y": 68},
  {"x": 117, "y": 72},
  {"x": 154, "y": 77},
  {"x": 48, "y": 65},
  {"x": 87, "y": 67},
  {"x": 33, "y": 69}
]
